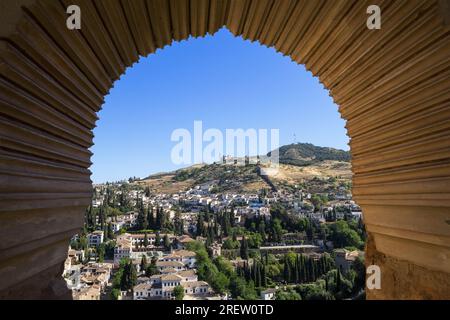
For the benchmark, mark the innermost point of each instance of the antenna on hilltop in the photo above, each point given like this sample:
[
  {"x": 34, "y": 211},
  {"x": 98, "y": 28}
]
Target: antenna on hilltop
[{"x": 295, "y": 138}]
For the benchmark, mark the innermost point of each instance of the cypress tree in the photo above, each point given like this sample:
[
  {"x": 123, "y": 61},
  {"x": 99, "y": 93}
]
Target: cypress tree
[
  {"x": 100, "y": 217},
  {"x": 208, "y": 242},
  {"x": 181, "y": 227},
  {"x": 303, "y": 268},
  {"x": 313, "y": 270},
  {"x": 110, "y": 231},
  {"x": 286, "y": 271},
  {"x": 150, "y": 219},
  {"x": 166, "y": 242},
  {"x": 88, "y": 217},
  {"x": 142, "y": 219},
  {"x": 297, "y": 270},
  {"x": 212, "y": 233},
  {"x": 262, "y": 230},
  {"x": 159, "y": 222},
  {"x": 129, "y": 277},
  {"x": 246, "y": 271},
  {"x": 226, "y": 224},
  {"x": 309, "y": 269},
  {"x": 244, "y": 248},
  {"x": 200, "y": 225},
  {"x": 257, "y": 274},
  {"x": 263, "y": 276},
  {"x": 143, "y": 265},
  {"x": 133, "y": 275},
  {"x": 157, "y": 239},
  {"x": 124, "y": 278},
  {"x": 145, "y": 240},
  {"x": 338, "y": 281},
  {"x": 216, "y": 227}
]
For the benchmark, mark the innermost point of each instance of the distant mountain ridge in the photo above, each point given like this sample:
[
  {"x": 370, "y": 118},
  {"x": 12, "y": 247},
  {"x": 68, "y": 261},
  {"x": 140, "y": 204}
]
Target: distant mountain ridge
[{"x": 302, "y": 154}]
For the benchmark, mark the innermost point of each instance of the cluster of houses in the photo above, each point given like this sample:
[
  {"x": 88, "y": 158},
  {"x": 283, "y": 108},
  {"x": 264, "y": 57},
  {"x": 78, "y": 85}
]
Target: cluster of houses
[
  {"x": 177, "y": 267},
  {"x": 87, "y": 281},
  {"x": 131, "y": 246},
  {"x": 246, "y": 205}
]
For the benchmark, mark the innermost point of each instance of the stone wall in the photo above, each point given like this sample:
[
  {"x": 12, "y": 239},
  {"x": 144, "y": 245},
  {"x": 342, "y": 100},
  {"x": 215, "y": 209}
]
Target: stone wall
[{"x": 402, "y": 279}]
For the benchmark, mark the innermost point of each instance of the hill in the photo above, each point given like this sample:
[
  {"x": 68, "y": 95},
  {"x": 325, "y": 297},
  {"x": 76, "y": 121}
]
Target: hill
[
  {"x": 304, "y": 154},
  {"x": 313, "y": 168},
  {"x": 226, "y": 178}
]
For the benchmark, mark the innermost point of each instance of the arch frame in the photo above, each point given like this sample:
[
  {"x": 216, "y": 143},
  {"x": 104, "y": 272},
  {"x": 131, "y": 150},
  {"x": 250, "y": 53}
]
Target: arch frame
[{"x": 392, "y": 87}]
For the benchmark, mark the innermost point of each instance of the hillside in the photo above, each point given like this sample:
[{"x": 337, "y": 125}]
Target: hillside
[
  {"x": 322, "y": 176},
  {"x": 227, "y": 178},
  {"x": 312, "y": 168},
  {"x": 303, "y": 154}
]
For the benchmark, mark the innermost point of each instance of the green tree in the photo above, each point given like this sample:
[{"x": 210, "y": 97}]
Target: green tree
[
  {"x": 200, "y": 225},
  {"x": 147, "y": 191},
  {"x": 287, "y": 271},
  {"x": 143, "y": 265},
  {"x": 142, "y": 218},
  {"x": 145, "y": 240},
  {"x": 277, "y": 230},
  {"x": 255, "y": 240},
  {"x": 101, "y": 253},
  {"x": 178, "y": 292},
  {"x": 157, "y": 239},
  {"x": 360, "y": 277},
  {"x": 230, "y": 244},
  {"x": 129, "y": 277},
  {"x": 244, "y": 248},
  {"x": 338, "y": 281},
  {"x": 344, "y": 236},
  {"x": 178, "y": 224},
  {"x": 110, "y": 232},
  {"x": 150, "y": 218},
  {"x": 167, "y": 243},
  {"x": 287, "y": 295},
  {"x": 240, "y": 289},
  {"x": 115, "y": 294},
  {"x": 263, "y": 276},
  {"x": 151, "y": 268},
  {"x": 219, "y": 282},
  {"x": 161, "y": 218}
]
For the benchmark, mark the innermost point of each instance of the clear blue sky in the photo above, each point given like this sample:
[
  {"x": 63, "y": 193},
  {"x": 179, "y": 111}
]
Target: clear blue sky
[{"x": 225, "y": 82}]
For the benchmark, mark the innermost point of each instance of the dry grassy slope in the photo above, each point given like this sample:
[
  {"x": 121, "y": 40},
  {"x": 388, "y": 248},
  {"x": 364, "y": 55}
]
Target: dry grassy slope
[
  {"x": 328, "y": 168},
  {"x": 245, "y": 179}
]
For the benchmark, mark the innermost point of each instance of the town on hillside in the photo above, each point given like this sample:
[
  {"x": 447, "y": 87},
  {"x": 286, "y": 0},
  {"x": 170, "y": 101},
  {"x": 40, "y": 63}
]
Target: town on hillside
[{"x": 223, "y": 232}]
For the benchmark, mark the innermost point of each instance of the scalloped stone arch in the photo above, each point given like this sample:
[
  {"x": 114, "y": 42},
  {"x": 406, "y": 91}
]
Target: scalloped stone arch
[{"x": 392, "y": 86}]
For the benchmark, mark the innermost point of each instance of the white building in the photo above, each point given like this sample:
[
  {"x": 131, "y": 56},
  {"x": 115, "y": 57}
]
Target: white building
[
  {"x": 123, "y": 249},
  {"x": 162, "y": 286},
  {"x": 268, "y": 294},
  {"x": 142, "y": 291},
  {"x": 95, "y": 238},
  {"x": 175, "y": 265},
  {"x": 185, "y": 257}
]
